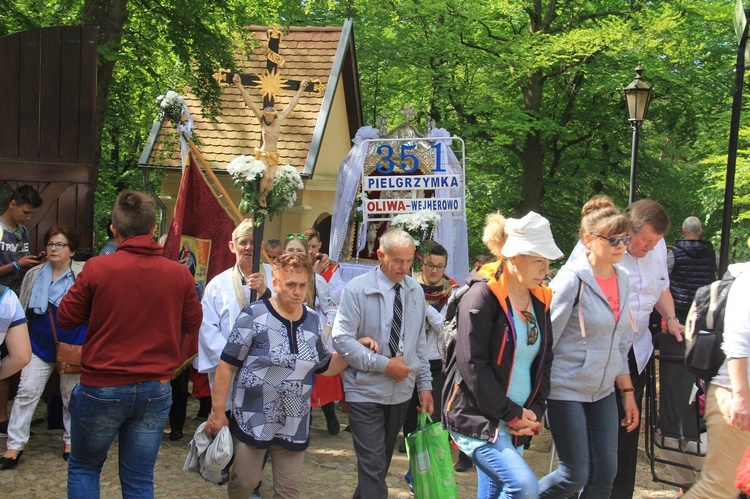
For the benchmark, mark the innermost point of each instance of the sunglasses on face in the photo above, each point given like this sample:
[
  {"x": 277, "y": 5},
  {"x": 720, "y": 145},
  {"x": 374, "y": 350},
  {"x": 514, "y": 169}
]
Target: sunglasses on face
[
  {"x": 532, "y": 331},
  {"x": 293, "y": 235},
  {"x": 614, "y": 241}
]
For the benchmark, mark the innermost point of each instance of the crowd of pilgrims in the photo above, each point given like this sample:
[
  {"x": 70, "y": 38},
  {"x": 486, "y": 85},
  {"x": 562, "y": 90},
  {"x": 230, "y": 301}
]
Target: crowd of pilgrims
[{"x": 571, "y": 350}]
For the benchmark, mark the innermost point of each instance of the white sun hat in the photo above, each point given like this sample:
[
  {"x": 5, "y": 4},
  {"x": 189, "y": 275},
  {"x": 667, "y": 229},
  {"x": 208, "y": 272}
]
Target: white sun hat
[{"x": 530, "y": 235}]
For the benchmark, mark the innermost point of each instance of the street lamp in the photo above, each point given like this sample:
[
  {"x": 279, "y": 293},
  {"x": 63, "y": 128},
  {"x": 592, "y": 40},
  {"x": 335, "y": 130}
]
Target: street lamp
[{"x": 638, "y": 97}]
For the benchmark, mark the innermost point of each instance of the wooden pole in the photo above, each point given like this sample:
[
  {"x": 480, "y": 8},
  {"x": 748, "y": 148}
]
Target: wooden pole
[
  {"x": 237, "y": 215},
  {"x": 257, "y": 231}
]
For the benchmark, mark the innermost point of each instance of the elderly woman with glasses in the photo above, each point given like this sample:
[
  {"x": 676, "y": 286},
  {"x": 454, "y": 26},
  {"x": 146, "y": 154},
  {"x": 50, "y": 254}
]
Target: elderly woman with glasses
[
  {"x": 593, "y": 331},
  {"x": 42, "y": 290},
  {"x": 498, "y": 362}
]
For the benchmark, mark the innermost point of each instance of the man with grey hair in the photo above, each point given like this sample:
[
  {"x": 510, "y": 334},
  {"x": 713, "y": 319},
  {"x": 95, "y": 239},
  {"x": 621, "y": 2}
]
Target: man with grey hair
[
  {"x": 691, "y": 264},
  {"x": 387, "y": 305}
]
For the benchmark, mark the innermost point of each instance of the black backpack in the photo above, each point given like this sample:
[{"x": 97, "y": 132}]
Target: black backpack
[
  {"x": 704, "y": 329},
  {"x": 451, "y": 320}
]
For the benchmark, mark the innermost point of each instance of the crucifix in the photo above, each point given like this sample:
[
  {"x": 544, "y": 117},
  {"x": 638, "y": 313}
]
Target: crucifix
[{"x": 270, "y": 84}]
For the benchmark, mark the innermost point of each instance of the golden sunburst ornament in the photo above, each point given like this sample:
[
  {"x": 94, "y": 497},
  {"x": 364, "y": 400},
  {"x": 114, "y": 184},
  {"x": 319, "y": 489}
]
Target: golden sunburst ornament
[{"x": 271, "y": 84}]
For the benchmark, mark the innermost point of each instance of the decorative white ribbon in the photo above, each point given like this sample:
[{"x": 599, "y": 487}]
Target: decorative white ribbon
[{"x": 185, "y": 130}]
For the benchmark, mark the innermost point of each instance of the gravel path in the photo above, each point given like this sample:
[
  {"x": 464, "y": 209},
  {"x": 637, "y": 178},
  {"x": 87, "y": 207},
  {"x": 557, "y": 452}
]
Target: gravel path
[{"x": 329, "y": 470}]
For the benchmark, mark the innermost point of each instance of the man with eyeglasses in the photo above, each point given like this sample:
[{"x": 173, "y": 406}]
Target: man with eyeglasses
[
  {"x": 15, "y": 260},
  {"x": 646, "y": 263}
]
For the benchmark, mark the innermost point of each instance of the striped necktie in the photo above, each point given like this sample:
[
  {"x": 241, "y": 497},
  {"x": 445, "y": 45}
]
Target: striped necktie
[{"x": 398, "y": 318}]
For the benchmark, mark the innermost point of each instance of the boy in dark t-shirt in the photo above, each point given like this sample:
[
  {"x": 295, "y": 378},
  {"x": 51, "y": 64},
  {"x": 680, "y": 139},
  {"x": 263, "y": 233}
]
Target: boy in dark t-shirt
[{"x": 15, "y": 260}]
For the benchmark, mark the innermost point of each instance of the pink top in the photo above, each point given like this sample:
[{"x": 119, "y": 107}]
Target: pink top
[{"x": 609, "y": 288}]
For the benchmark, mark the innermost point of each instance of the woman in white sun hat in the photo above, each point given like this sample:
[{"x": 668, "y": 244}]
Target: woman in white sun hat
[{"x": 498, "y": 363}]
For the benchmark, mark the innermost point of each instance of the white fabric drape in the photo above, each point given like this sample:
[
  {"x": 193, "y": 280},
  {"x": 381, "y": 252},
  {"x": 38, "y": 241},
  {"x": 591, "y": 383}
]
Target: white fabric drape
[
  {"x": 452, "y": 234},
  {"x": 350, "y": 175},
  {"x": 185, "y": 130}
]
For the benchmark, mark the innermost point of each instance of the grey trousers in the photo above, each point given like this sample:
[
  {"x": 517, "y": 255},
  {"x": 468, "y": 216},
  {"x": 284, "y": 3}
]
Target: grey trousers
[{"x": 375, "y": 428}]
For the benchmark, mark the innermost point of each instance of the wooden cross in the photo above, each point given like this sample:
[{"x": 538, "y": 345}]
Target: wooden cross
[{"x": 271, "y": 82}]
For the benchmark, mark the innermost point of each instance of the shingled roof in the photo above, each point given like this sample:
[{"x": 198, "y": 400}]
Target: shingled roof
[{"x": 323, "y": 53}]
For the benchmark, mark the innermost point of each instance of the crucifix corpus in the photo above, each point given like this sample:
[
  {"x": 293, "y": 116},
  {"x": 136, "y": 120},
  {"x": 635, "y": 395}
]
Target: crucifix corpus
[{"x": 270, "y": 84}]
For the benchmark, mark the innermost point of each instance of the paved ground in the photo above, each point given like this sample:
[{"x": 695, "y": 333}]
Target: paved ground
[{"x": 329, "y": 472}]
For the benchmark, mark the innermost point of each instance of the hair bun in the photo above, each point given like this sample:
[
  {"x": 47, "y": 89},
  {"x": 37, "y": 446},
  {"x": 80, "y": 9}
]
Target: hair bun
[{"x": 596, "y": 203}]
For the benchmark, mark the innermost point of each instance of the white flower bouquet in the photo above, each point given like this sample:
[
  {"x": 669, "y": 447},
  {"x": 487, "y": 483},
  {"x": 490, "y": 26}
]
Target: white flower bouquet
[
  {"x": 247, "y": 173},
  {"x": 419, "y": 224},
  {"x": 171, "y": 107}
]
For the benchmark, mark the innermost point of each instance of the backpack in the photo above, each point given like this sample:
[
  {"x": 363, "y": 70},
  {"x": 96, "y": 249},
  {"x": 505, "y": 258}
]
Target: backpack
[
  {"x": 704, "y": 329},
  {"x": 450, "y": 325}
]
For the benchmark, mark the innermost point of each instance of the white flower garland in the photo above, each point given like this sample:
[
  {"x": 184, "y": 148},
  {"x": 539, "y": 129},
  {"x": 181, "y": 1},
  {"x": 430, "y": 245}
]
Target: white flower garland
[
  {"x": 171, "y": 106},
  {"x": 246, "y": 169}
]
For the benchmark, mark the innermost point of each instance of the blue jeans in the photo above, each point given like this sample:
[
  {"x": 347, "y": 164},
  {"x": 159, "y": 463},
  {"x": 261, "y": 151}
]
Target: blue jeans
[
  {"x": 502, "y": 472},
  {"x": 138, "y": 414},
  {"x": 585, "y": 435}
]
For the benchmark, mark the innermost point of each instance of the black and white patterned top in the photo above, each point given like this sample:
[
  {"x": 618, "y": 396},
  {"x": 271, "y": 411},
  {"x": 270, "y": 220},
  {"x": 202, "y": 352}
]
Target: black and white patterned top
[{"x": 276, "y": 359}]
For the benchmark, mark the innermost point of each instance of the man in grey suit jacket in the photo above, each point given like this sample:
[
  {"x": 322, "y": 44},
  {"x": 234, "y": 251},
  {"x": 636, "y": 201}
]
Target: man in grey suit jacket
[{"x": 387, "y": 305}]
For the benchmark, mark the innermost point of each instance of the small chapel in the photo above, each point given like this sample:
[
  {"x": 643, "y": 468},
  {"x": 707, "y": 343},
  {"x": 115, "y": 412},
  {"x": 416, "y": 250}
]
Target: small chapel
[
  {"x": 314, "y": 138},
  {"x": 306, "y": 77}
]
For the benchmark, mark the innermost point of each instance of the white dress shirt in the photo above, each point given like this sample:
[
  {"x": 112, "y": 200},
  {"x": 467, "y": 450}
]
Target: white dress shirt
[{"x": 648, "y": 280}]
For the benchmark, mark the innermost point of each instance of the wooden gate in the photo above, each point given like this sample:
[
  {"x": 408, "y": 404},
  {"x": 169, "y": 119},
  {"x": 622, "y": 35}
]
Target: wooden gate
[{"x": 48, "y": 125}]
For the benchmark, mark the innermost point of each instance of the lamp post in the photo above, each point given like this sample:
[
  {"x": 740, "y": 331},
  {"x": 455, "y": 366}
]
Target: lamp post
[{"x": 638, "y": 97}]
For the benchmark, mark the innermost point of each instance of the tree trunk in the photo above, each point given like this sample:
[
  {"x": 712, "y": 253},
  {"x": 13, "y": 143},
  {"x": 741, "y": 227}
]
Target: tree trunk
[
  {"x": 532, "y": 153},
  {"x": 109, "y": 17}
]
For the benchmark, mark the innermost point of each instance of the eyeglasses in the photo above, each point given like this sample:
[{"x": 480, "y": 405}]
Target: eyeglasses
[
  {"x": 293, "y": 235},
  {"x": 614, "y": 241},
  {"x": 57, "y": 246},
  {"x": 532, "y": 331},
  {"x": 434, "y": 267}
]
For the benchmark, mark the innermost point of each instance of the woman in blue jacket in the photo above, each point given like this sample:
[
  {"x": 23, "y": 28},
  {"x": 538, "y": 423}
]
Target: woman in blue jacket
[{"x": 592, "y": 334}]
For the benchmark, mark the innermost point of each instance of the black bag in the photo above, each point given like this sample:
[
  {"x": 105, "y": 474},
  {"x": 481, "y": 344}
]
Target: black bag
[
  {"x": 451, "y": 320},
  {"x": 704, "y": 329}
]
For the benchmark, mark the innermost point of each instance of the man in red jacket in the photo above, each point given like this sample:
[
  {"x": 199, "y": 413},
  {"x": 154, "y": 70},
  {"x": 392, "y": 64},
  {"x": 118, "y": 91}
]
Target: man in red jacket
[{"x": 140, "y": 307}]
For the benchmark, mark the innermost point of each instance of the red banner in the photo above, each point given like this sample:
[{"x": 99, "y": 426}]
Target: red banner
[
  {"x": 199, "y": 239},
  {"x": 199, "y": 215}
]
